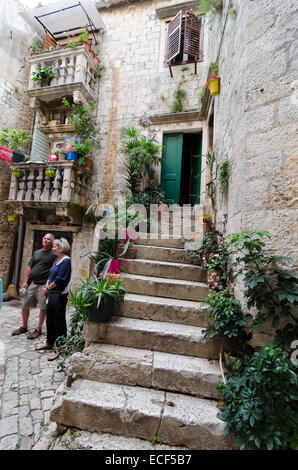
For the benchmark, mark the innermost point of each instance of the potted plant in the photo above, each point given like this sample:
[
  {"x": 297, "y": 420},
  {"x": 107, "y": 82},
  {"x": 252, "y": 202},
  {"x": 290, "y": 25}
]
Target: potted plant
[
  {"x": 50, "y": 172},
  {"x": 17, "y": 173},
  {"x": 96, "y": 59},
  {"x": 35, "y": 49},
  {"x": 101, "y": 294},
  {"x": 15, "y": 139},
  {"x": 84, "y": 38},
  {"x": 44, "y": 74},
  {"x": 71, "y": 154},
  {"x": 11, "y": 216},
  {"x": 82, "y": 149},
  {"x": 213, "y": 84}
]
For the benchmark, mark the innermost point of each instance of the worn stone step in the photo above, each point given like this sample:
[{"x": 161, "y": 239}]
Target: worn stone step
[
  {"x": 145, "y": 307},
  {"x": 157, "y": 253},
  {"x": 161, "y": 242},
  {"x": 165, "y": 269},
  {"x": 150, "y": 369},
  {"x": 142, "y": 413},
  {"x": 86, "y": 440},
  {"x": 155, "y": 336},
  {"x": 161, "y": 287}
]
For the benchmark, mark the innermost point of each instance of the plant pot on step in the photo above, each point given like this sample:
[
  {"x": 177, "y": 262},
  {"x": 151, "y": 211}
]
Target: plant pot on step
[
  {"x": 115, "y": 266},
  {"x": 103, "y": 313}
]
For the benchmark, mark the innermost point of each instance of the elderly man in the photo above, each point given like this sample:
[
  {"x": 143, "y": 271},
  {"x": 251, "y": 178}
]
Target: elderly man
[{"x": 36, "y": 278}]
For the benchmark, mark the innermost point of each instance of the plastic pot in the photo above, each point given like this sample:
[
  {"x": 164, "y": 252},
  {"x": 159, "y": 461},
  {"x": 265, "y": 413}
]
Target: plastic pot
[{"x": 103, "y": 313}]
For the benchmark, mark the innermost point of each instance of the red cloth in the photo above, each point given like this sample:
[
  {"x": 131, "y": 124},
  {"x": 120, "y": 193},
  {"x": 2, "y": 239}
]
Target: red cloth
[{"x": 5, "y": 154}]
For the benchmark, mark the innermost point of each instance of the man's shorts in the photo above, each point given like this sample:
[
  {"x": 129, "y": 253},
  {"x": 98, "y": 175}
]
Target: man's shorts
[{"x": 34, "y": 298}]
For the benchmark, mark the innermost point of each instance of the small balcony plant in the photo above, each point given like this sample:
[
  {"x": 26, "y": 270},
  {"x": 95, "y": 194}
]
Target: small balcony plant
[
  {"x": 84, "y": 38},
  {"x": 44, "y": 74},
  {"x": 35, "y": 49},
  {"x": 17, "y": 173},
  {"x": 50, "y": 172}
]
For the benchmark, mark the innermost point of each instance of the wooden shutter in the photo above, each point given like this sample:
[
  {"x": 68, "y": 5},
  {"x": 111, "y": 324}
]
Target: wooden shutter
[
  {"x": 174, "y": 37},
  {"x": 193, "y": 36}
]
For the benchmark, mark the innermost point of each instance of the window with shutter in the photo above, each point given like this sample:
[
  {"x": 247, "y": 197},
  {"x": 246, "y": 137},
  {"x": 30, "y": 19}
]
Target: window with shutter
[
  {"x": 174, "y": 37},
  {"x": 184, "y": 39}
]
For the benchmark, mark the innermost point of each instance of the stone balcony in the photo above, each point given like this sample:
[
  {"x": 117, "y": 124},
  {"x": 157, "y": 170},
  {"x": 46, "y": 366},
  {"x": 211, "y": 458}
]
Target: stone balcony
[
  {"x": 62, "y": 198},
  {"x": 75, "y": 74}
]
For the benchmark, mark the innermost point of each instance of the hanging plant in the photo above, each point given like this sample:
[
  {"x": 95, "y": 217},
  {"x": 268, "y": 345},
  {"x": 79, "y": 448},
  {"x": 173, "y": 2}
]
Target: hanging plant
[
  {"x": 213, "y": 84},
  {"x": 51, "y": 172},
  {"x": 17, "y": 173},
  {"x": 44, "y": 73}
]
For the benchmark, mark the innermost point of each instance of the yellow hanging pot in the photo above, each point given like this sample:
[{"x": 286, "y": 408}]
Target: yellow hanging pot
[{"x": 213, "y": 86}]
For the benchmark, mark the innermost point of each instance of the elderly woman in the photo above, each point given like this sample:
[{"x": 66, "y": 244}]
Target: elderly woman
[{"x": 56, "y": 293}]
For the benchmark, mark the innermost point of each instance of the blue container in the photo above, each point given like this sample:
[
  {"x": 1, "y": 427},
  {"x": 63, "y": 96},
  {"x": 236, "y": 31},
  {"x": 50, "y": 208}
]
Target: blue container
[{"x": 72, "y": 156}]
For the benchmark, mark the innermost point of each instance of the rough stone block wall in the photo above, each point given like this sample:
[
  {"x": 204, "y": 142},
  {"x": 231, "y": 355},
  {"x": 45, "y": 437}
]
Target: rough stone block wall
[
  {"x": 132, "y": 49},
  {"x": 255, "y": 115},
  {"x": 7, "y": 229},
  {"x": 15, "y": 40},
  {"x": 255, "y": 123}
]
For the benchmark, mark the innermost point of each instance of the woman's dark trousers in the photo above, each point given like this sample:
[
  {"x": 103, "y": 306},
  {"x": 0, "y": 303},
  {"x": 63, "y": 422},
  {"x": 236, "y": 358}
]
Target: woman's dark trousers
[{"x": 56, "y": 321}]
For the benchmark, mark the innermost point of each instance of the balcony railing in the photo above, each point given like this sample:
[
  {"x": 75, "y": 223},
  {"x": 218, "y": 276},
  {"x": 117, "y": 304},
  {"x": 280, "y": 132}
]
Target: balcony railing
[
  {"x": 74, "y": 69},
  {"x": 34, "y": 189}
]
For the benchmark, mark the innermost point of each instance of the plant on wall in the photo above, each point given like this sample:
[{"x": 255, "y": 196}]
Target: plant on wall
[
  {"x": 179, "y": 98},
  {"x": 224, "y": 176},
  {"x": 210, "y": 6}
]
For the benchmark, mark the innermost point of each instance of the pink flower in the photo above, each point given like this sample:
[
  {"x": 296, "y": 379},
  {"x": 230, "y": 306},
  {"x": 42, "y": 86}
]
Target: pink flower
[
  {"x": 95, "y": 123},
  {"x": 79, "y": 125},
  {"x": 85, "y": 117}
]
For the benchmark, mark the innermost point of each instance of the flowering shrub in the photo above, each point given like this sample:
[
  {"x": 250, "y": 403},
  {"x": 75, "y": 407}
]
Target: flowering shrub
[{"x": 86, "y": 128}]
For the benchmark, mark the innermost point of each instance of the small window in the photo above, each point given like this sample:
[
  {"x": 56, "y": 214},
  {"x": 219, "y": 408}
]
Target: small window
[{"x": 184, "y": 39}]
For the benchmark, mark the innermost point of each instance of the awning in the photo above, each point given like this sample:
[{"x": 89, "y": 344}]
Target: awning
[{"x": 63, "y": 18}]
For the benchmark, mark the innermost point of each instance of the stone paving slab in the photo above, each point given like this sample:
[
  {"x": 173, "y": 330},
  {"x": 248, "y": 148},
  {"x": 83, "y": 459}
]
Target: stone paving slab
[{"x": 28, "y": 382}]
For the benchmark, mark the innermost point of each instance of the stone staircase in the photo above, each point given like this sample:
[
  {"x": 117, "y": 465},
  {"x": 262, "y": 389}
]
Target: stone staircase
[{"x": 147, "y": 374}]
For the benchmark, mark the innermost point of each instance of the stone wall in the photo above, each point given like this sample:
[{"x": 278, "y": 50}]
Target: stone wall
[
  {"x": 130, "y": 90},
  {"x": 255, "y": 115},
  {"x": 7, "y": 229},
  {"x": 15, "y": 40}
]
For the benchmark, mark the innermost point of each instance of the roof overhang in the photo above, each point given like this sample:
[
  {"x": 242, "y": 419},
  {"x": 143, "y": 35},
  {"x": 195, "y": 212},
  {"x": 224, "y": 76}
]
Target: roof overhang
[{"x": 63, "y": 18}]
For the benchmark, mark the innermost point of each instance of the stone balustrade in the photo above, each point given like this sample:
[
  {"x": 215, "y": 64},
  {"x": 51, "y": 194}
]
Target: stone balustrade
[
  {"x": 34, "y": 189},
  {"x": 73, "y": 66}
]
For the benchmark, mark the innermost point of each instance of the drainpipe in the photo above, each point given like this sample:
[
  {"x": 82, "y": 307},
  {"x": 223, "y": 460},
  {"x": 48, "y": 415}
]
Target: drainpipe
[{"x": 20, "y": 245}]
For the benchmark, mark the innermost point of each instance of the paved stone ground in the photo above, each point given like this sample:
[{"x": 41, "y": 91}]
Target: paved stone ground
[{"x": 28, "y": 382}]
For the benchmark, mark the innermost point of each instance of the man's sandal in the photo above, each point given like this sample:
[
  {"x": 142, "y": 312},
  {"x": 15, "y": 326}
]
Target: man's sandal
[
  {"x": 19, "y": 331},
  {"x": 36, "y": 333}
]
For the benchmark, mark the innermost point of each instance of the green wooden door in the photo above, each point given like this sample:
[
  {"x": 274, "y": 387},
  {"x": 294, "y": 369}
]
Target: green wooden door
[
  {"x": 196, "y": 171},
  {"x": 171, "y": 167}
]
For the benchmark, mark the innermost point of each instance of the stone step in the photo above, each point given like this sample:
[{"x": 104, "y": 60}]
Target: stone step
[
  {"x": 161, "y": 242},
  {"x": 155, "y": 336},
  {"x": 165, "y": 269},
  {"x": 145, "y": 307},
  {"x": 157, "y": 253},
  {"x": 143, "y": 413},
  {"x": 150, "y": 369},
  {"x": 161, "y": 287},
  {"x": 86, "y": 440}
]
